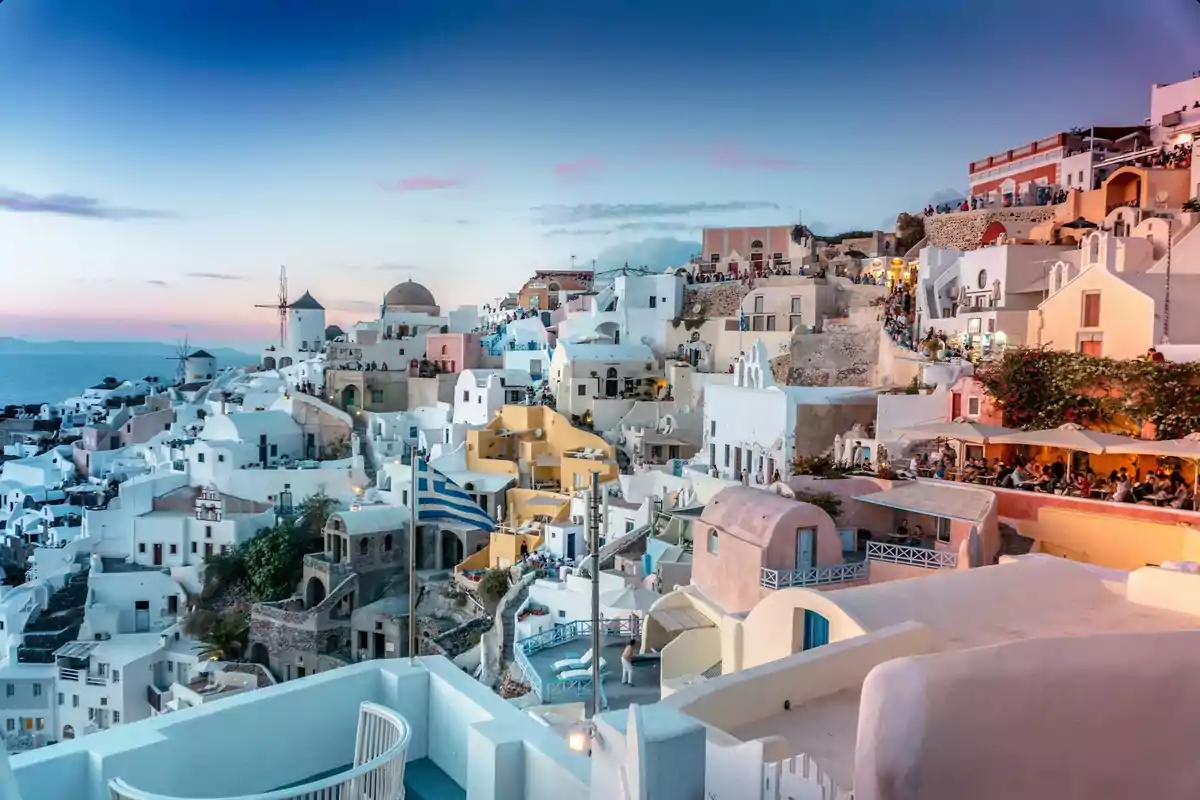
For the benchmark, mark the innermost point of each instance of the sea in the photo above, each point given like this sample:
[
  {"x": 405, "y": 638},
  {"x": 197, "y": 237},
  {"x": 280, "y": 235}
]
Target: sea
[{"x": 52, "y": 378}]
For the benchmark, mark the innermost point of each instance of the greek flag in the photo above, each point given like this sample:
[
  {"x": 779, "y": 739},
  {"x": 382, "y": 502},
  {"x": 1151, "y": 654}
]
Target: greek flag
[
  {"x": 743, "y": 321},
  {"x": 439, "y": 498}
]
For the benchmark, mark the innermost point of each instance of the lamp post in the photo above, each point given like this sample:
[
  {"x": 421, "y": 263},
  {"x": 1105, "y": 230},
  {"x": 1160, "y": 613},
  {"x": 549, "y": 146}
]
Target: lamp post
[
  {"x": 594, "y": 548},
  {"x": 1166, "y": 336}
]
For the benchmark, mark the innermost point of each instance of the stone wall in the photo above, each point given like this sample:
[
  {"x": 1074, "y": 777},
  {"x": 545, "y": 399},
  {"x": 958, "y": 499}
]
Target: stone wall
[
  {"x": 841, "y": 355},
  {"x": 295, "y": 645},
  {"x": 714, "y": 299},
  {"x": 963, "y": 230}
]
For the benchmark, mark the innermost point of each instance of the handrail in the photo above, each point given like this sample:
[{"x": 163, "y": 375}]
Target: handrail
[
  {"x": 621, "y": 627},
  {"x": 916, "y": 556},
  {"x": 363, "y": 780},
  {"x": 814, "y": 576}
]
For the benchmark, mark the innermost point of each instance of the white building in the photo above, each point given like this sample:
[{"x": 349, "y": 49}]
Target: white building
[
  {"x": 187, "y": 525},
  {"x": 983, "y": 297},
  {"x": 757, "y": 427},
  {"x": 582, "y": 373},
  {"x": 199, "y": 367},
  {"x": 267, "y": 436},
  {"x": 481, "y": 393}
]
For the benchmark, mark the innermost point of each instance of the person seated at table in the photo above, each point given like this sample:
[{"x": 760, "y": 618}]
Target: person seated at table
[
  {"x": 940, "y": 472},
  {"x": 1122, "y": 491},
  {"x": 1181, "y": 496},
  {"x": 901, "y": 530},
  {"x": 1017, "y": 478},
  {"x": 1083, "y": 484},
  {"x": 918, "y": 536},
  {"x": 916, "y": 464}
]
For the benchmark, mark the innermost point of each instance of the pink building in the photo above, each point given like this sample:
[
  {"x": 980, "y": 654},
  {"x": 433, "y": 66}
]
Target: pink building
[
  {"x": 739, "y": 250},
  {"x": 454, "y": 352},
  {"x": 970, "y": 401},
  {"x": 744, "y": 531}
]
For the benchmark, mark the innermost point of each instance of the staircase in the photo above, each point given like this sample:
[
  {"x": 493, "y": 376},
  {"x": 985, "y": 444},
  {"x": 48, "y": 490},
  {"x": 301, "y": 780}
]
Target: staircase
[
  {"x": 360, "y": 431},
  {"x": 510, "y": 624}
]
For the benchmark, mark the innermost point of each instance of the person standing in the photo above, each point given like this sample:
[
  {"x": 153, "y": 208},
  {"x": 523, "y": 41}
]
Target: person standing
[{"x": 627, "y": 662}]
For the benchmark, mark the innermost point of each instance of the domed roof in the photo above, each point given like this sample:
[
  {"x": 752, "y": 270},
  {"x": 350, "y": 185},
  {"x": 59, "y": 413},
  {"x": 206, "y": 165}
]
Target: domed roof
[
  {"x": 409, "y": 293},
  {"x": 332, "y": 332}
]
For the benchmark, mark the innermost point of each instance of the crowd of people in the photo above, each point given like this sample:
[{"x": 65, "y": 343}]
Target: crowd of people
[
  {"x": 1158, "y": 487},
  {"x": 900, "y": 309}
]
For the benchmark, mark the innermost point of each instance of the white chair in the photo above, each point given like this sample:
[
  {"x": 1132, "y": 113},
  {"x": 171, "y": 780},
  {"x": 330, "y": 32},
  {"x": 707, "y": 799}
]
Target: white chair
[{"x": 583, "y": 662}]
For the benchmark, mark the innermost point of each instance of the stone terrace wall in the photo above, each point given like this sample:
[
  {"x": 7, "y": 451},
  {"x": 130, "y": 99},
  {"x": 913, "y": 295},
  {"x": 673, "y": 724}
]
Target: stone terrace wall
[
  {"x": 964, "y": 229},
  {"x": 843, "y": 355},
  {"x": 715, "y": 299}
]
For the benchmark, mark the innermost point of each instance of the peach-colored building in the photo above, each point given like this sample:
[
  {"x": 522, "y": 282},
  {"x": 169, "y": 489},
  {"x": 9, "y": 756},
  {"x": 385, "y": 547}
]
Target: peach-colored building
[
  {"x": 454, "y": 352},
  {"x": 544, "y": 290},
  {"x": 743, "y": 532}
]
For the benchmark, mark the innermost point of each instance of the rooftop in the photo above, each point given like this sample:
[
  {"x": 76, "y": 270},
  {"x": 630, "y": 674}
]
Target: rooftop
[{"x": 607, "y": 352}]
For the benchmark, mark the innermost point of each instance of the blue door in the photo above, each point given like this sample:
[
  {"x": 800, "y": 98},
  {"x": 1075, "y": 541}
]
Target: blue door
[{"x": 816, "y": 630}]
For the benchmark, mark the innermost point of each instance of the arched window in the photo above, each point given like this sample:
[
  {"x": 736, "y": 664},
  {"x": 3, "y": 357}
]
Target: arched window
[
  {"x": 387, "y": 543},
  {"x": 756, "y": 244},
  {"x": 362, "y": 546},
  {"x": 445, "y": 349},
  {"x": 712, "y": 542},
  {"x": 610, "y": 382},
  {"x": 1094, "y": 249}
]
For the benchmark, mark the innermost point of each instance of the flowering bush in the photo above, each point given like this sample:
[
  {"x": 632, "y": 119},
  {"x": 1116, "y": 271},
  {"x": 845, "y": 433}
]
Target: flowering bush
[{"x": 1038, "y": 389}]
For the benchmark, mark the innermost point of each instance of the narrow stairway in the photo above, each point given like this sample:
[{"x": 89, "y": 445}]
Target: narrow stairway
[{"x": 510, "y": 624}]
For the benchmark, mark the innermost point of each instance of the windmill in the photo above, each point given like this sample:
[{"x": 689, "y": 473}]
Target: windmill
[
  {"x": 181, "y": 354},
  {"x": 281, "y": 304}
]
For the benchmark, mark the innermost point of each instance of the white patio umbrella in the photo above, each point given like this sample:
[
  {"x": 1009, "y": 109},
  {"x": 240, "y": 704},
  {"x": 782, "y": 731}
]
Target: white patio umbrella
[
  {"x": 971, "y": 432},
  {"x": 1069, "y": 437},
  {"x": 629, "y": 599}
]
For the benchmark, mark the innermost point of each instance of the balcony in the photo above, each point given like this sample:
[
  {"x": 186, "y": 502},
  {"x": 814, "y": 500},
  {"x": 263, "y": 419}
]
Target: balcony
[
  {"x": 380, "y": 754},
  {"x": 816, "y": 576},
  {"x": 912, "y": 556}
]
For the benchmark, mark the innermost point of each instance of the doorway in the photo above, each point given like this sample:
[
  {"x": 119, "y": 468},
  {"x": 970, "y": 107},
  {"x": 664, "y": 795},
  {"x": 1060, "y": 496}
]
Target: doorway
[
  {"x": 570, "y": 545},
  {"x": 610, "y": 382},
  {"x": 806, "y": 548},
  {"x": 141, "y": 616},
  {"x": 816, "y": 630},
  {"x": 378, "y": 648},
  {"x": 158, "y": 555}
]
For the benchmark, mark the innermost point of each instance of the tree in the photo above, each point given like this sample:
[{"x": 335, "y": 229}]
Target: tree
[
  {"x": 910, "y": 229},
  {"x": 312, "y": 515},
  {"x": 828, "y": 502},
  {"x": 222, "y": 636},
  {"x": 493, "y": 585},
  {"x": 336, "y": 450},
  {"x": 274, "y": 562},
  {"x": 221, "y": 571}
]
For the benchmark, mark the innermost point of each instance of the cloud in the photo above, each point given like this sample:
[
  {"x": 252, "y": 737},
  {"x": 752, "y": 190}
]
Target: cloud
[
  {"x": 71, "y": 205},
  {"x": 579, "y": 168},
  {"x": 626, "y": 227},
  {"x": 654, "y": 254},
  {"x": 215, "y": 276},
  {"x": 600, "y": 212},
  {"x": 391, "y": 265},
  {"x": 422, "y": 183},
  {"x": 157, "y": 283},
  {"x": 735, "y": 156}
]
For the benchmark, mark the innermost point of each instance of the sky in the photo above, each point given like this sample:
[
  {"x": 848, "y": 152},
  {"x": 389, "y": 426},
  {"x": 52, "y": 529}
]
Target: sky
[{"x": 159, "y": 161}]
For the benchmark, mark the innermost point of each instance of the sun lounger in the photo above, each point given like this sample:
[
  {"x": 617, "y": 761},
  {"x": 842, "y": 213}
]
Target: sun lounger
[{"x": 583, "y": 662}]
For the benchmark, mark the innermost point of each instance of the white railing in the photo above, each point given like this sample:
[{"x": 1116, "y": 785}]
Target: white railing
[
  {"x": 814, "y": 576},
  {"x": 796, "y": 777},
  {"x": 915, "y": 556},
  {"x": 380, "y": 752}
]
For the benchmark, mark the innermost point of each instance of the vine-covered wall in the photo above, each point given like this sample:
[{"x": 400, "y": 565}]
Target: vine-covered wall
[{"x": 1038, "y": 389}]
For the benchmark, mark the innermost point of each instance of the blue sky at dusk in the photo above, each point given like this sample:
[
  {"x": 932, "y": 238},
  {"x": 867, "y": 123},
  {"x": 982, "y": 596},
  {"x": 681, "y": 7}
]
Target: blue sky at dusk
[{"x": 160, "y": 160}]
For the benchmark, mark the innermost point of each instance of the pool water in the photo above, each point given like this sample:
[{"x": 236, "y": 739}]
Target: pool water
[{"x": 422, "y": 781}]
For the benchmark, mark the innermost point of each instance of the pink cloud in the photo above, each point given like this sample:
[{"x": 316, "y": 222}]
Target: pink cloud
[
  {"x": 735, "y": 156},
  {"x": 421, "y": 183},
  {"x": 578, "y": 168}
]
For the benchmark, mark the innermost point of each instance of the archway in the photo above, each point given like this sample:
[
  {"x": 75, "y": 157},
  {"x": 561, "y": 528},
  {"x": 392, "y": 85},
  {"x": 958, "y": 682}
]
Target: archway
[
  {"x": 452, "y": 550},
  {"x": 285, "y": 361},
  {"x": 269, "y": 362},
  {"x": 1122, "y": 189},
  {"x": 314, "y": 592},
  {"x": 350, "y": 397},
  {"x": 610, "y": 382},
  {"x": 260, "y": 655},
  {"x": 993, "y": 232},
  {"x": 68, "y": 732}
]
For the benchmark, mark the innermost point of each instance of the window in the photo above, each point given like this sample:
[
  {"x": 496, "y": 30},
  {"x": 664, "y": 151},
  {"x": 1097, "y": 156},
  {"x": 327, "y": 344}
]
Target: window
[
  {"x": 582, "y": 390},
  {"x": 982, "y": 279},
  {"x": 756, "y": 244},
  {"x": 37, "y": 690},
  {"x": 1091, "y": 310},
  {"x": 727, "y": 455},
  {"x": 274, "y": 450},
  {"x": 714, "y": 258},
  {"x": 174, "y": 549},
  {"x": 712, "y": 542},
  {"x": 562, "y": 613},
  {"x": 653, "y": 302},
  {"x": 758, "y": 304},
  {"x": 170, "y": 666},
  {"x": 116, "y": 673},
  {"x": 193, "y": 547},
  {"x": 221, "y": 458},
  {"x": 141, "y": 547},
  {"x": 387, "y": 542},
  {"x": 9, "y": 689},
  {"x": 172, "y": 604},
  {"x": 628, "y": 525},
  {"x": 376, "y": 395},
  {"x": 466, "y": 396},
  {"x": 363, "y": 544},
  {"x": 973, "y": 406},
  {"x": 1090, "y": 344},
  {"x": 208, "y": 531},
  {"x": 199, "y": 458},
  {"x": 116, "y": 717},
  {"x": 712, "y": 428},
  {"x": 777, "y": 256},
  {"x": 9, "y": 724},
  {"x": 61, "y": 698},
  {"x": 74, "y": 701}
]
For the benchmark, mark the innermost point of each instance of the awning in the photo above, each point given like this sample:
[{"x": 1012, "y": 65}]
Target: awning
[
  {"x": 971, "y": 432},
  {"x": 935, "y": 498},
  {"x": 75, "y": 650},
  {"x": 1069, "y": 437},
  {"x": 677, "y": 620}
]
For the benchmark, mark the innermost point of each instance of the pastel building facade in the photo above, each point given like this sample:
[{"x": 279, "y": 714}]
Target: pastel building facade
[{"x": 738, "y": 251}]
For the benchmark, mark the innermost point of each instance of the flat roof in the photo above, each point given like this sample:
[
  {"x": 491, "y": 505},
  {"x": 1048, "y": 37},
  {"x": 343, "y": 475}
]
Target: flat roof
[{"x": 935, "y": 498}]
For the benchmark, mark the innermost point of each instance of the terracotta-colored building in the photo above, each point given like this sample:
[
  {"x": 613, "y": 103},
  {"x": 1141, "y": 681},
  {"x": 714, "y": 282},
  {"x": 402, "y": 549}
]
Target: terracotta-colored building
[
  {"x": 544, "y": 289},
  {"x": 744, "y": 531},
  {"x": 454, "y": 352}
]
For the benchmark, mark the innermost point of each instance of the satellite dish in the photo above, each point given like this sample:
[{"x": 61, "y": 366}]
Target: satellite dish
[
  {"x": 696, "y": 309},
  {"x": 666, "y": 425},
  {"x": 685, "y": 409},
  {"x": 537, "y": 434}
]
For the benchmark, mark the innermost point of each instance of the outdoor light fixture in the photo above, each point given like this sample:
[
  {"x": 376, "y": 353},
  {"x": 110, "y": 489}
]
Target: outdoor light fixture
[{"x": 580, "y": 737}]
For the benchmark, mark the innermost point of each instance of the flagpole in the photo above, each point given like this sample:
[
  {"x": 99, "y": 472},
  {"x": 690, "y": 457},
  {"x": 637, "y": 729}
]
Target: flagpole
[{"x": 412, "y": 556}]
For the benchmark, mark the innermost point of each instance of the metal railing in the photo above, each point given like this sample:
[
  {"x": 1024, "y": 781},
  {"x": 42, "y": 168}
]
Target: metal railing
[
  {"x": 623, "y": 628},
  {"x": 815, "y": 576},
  {"x": 380, "y": 752},
  {"x": 915, "y": 556}
]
